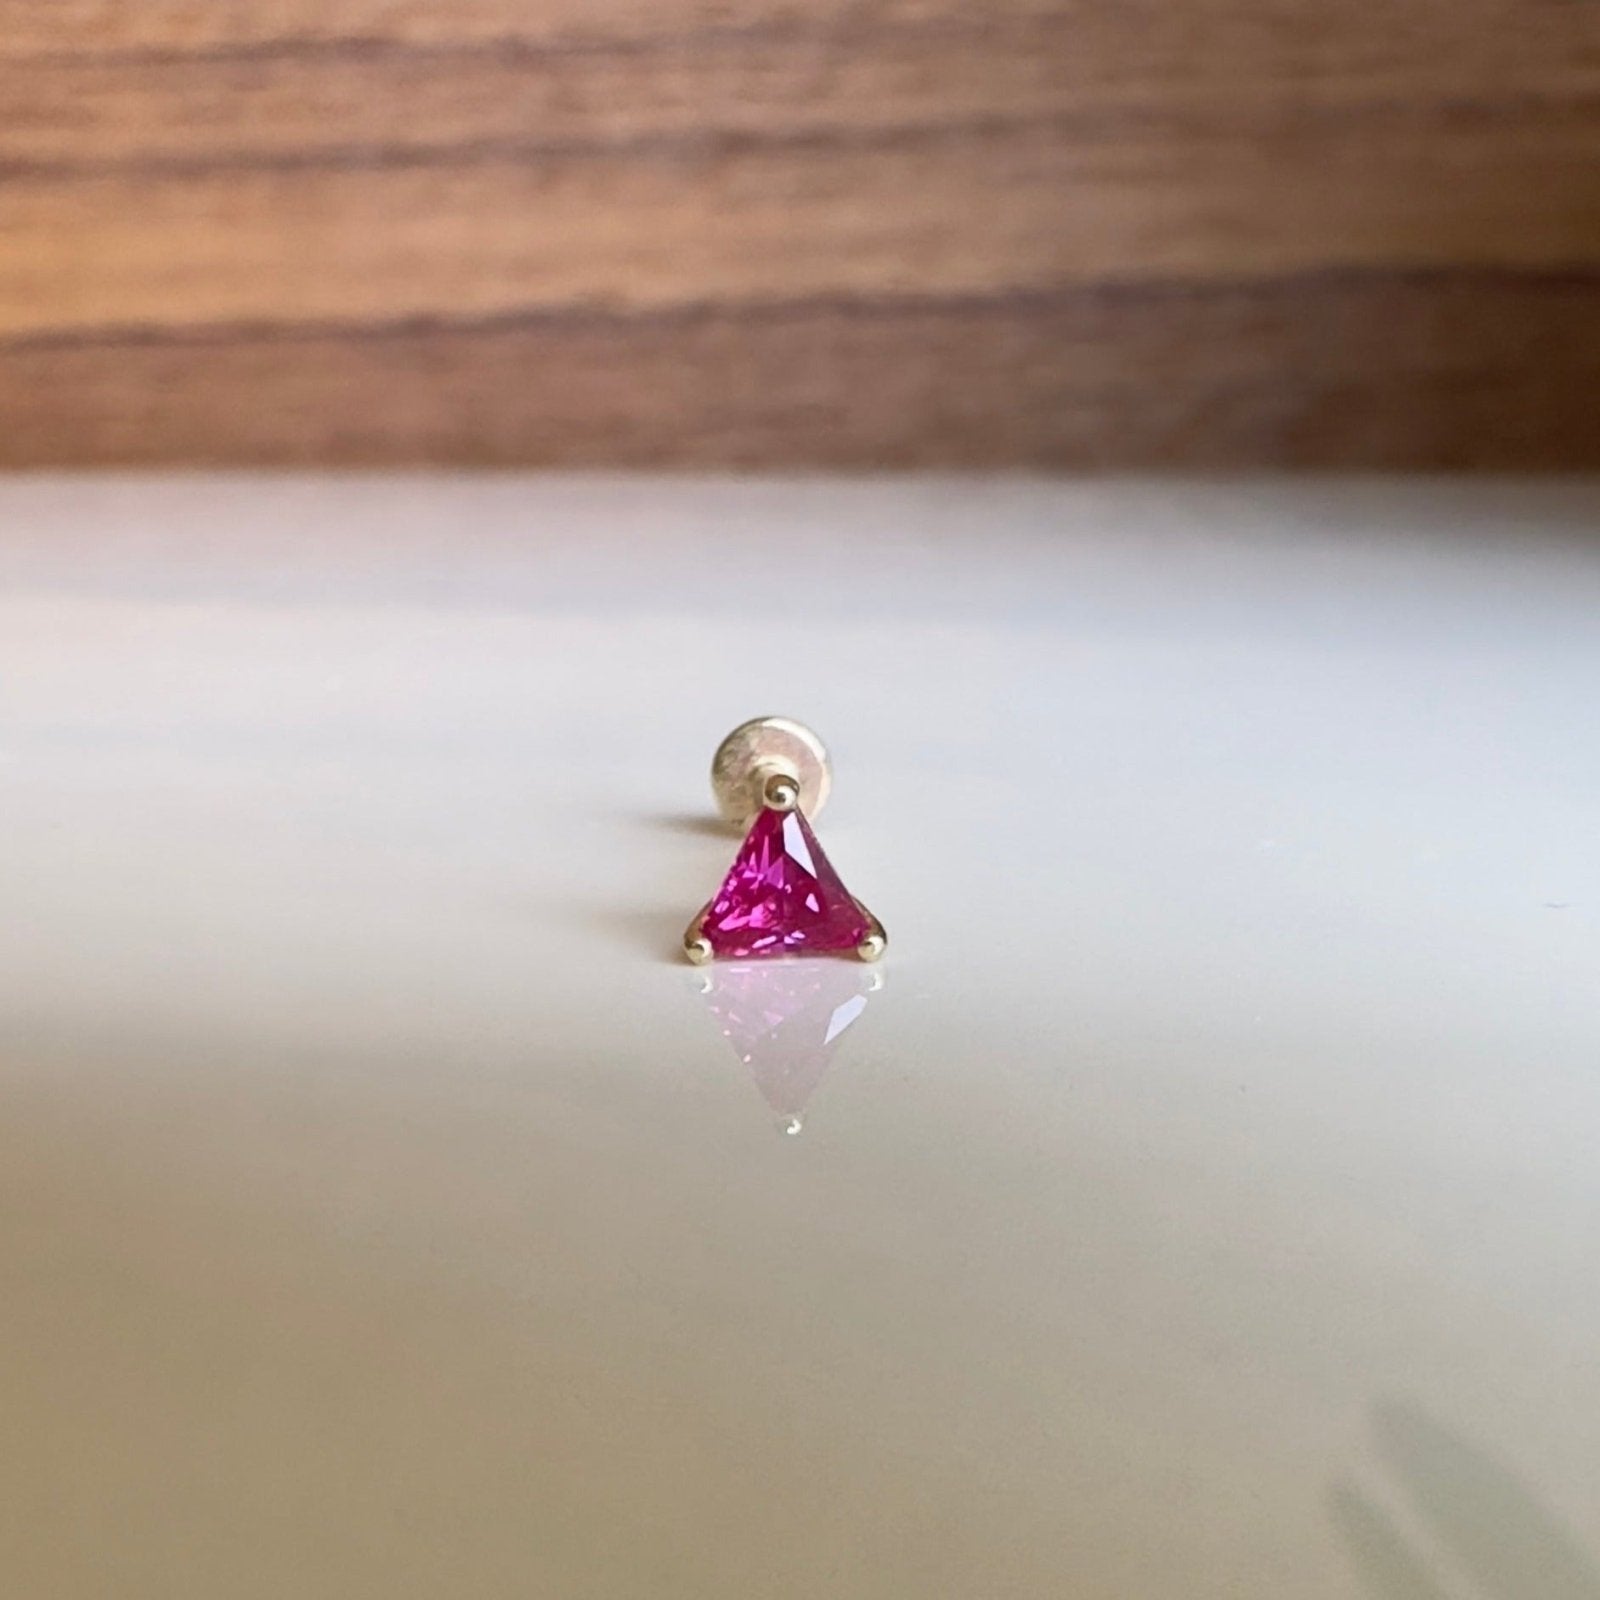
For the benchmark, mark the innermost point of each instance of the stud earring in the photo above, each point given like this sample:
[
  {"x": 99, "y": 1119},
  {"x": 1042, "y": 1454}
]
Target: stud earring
[{"x": 781, "y": 896}]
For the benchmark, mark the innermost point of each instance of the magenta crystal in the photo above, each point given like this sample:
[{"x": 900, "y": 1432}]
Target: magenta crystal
[{"x": 781, "y": 896}]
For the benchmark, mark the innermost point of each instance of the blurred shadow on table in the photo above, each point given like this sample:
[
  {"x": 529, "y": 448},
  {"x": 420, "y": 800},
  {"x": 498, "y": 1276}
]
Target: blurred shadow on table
[{"x": 1484, "y": 1521}]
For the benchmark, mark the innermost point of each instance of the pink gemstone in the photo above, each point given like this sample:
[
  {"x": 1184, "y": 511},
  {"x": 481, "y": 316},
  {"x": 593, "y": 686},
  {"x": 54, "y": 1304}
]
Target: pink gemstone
[{"x": 781, "y": 896}]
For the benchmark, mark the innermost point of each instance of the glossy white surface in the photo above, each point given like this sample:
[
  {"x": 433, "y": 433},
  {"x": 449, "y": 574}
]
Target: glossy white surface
[{"x": 1207, "y": 1205}]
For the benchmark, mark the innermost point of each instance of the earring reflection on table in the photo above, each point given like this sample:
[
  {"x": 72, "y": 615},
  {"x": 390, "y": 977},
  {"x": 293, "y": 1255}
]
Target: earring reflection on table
[{"x": 784, "y": 1020}]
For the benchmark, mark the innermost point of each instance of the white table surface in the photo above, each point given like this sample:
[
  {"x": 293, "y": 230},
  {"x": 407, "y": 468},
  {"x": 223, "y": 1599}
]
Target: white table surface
[{"x": 1206, "y": 1205}]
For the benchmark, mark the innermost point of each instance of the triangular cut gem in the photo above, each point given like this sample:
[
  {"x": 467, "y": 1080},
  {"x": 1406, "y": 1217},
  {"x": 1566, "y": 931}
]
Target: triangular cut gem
[{"x": 781, "y": 896}]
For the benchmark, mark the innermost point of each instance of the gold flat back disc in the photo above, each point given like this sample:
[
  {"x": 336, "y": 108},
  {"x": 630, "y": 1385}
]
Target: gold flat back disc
[{"x": 757, "y": 749}]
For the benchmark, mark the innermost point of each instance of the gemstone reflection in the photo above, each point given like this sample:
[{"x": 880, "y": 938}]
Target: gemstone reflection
[{"x": 785, "y": 1019}]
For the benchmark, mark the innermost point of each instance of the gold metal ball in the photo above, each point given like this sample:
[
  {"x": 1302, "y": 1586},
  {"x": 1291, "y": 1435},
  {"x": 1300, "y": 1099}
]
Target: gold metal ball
[{"x": 781, "y": 792}]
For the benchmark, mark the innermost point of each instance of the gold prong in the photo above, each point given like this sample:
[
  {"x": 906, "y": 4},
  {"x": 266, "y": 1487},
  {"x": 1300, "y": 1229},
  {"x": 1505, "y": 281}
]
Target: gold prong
[
  {"x": 876, "y": 941},
  {"x": 781, "y": 792},
  {"x": 695, "y": 944}
]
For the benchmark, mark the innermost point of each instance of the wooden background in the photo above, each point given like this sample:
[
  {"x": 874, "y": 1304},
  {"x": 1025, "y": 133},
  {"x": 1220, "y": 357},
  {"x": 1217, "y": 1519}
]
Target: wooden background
[{"x": 829, "y": 232}]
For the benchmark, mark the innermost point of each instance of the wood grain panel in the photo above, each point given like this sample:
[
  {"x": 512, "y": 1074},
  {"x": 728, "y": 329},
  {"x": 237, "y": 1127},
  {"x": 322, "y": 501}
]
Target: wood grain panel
[{"x": 831, "y": 232}]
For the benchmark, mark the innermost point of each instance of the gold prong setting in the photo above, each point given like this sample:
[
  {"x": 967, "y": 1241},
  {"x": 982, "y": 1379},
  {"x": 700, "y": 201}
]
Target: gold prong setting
[
  {"x": 695, "y": 944},
  {"x": 781, "y": 792},
  {"x": 876, "y": 941},
  {"x": 697, "y": 948}
]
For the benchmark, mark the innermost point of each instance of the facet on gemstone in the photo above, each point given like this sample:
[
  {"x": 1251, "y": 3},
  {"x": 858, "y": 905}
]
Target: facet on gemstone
[{"x": 782, "y": 897}]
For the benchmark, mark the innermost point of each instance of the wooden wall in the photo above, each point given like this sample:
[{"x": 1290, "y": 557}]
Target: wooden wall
[{"x": 830, "y": 232}]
